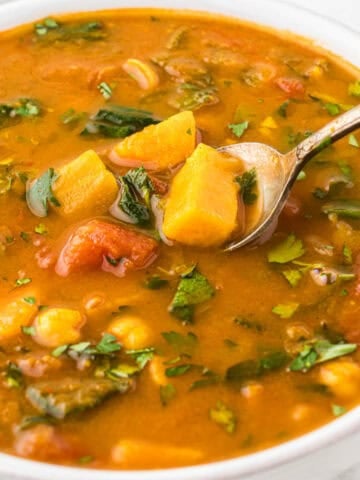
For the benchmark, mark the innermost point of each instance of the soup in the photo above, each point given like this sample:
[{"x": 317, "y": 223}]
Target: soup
[{"x": 129, "y": 338}]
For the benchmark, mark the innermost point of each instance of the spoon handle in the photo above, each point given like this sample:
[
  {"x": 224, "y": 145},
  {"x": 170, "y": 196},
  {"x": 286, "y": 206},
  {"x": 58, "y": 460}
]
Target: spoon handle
[{"x": 333, "y": 131}]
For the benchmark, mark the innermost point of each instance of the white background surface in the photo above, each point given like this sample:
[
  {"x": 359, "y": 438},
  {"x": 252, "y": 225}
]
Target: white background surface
[{"x": 341, "y": 10}]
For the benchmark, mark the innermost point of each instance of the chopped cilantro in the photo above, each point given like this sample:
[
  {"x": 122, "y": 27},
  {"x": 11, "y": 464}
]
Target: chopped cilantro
[
  {"x": 155, "y": 282},
  {"x": 344, "y": 292},
  {"x": 141, "y": 182},
  {"x": 41, "y": 229},
  {"x": 205, "y": 382},
  {"x": 332, "y": 108},
  {"x": 301, "y": 176},
  {"x": 182, "y": 344},
  {"x": 286, "y": 251},
  {"x": 318, "y": 352},
  {"x": 108, "y": 344},
  {"x": 28, "y": 331},
  {"x": 22, "y": 281},
  {"x": 238, "y": 129},
  {"x": 29, "y": 422},
  {"x": 13, "y": 376},
  {"x": 105, "y": 90},
  {"x": 338, "y": 410},
  {"x": 249, "y": 324},
  {"x": 167, "y": 393},
  {"x": 40, "y": 193},
  {"x": 347, "y": 253},
  {"x": 142, "y": 356},
  {"x": 196, "y": 94},
  {"x": 30, "y": 300},
  {"x": 247, "y": 182},
  {"x": 51, "y": 30},
  {"x": 116, "y": 121},
  {"x": 224, "y": 416},
  {"x": 71, "y": 117},
  {"x": 251, "y": 369},
  {"x": 136, "y": 183},
  {"x": 192, "y": 289},
  {"x": 178, "y": 370},
  {"x": 230, "y": 343},
  {"x": 282, "y": 110},
  {"x": 123, "y": 370},
  {"x": 353, "y": 141},
  {"x": 354, "y": 88},
  {"x": 285, "y": 310},
  {"x": 320, "y": 193},
  {"x": 25, "y": 236},
  {"x": 292, "y": 276},
  {"x": 344, "y": 208}
]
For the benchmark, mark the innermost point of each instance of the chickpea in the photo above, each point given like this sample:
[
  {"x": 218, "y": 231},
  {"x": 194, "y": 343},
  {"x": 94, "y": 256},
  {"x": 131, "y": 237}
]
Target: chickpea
[
  {"x": 131, "y": 331},
  {"x": 157, "y": 371},
  {"x": 130, "y": 453},
  {"x": 58, "y": 326},
  {"x": 252, "y": 390},
  {"x": 342, "y": 377},
  {"x": 301, "y": 412}
]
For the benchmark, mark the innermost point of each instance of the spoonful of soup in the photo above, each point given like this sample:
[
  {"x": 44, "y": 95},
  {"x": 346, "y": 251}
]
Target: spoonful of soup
[{"x": 276, "y": 173}]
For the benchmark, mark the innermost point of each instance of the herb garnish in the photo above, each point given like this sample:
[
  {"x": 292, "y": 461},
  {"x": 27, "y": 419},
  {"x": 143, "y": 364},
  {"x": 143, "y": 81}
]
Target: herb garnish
[
  {"x": 136, "y": 189},
  {"x": 286, "y": 251},
  {"x": 106, "y": 346},
  {"x": 105, "y": 90},
  {"x": 118, "y": 122},
  {"x": 155, "y": 282},
  {"x": 193, "y": 288},
  {"x": 51, "y": 30},
  {"x": 250, "y": 369},
  {"x": 182, "y": 344},
  {"x": 13, "y": 376},
  {"x": 353, "y": 141},
  {"x": 320, "y": 351},
  {"x": 224, "y": 416},
  {"x": 338, "y": 410},
  {"x": 247, "y": 182},
  {"x": 343, "y": 207},
  {"x": 238, "y": 129},
  {"x": 40, "y": 193},
  {"x": 285, "y": 310},
  {"x": 142, "y": 356}
]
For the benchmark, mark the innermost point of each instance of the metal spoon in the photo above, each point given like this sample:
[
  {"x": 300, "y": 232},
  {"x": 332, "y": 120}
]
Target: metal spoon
[{"x": 276, "y": 173}]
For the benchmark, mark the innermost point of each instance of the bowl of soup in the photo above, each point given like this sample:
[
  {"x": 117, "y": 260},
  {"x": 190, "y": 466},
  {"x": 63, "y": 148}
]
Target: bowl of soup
[{"x": 132, "y": 345}]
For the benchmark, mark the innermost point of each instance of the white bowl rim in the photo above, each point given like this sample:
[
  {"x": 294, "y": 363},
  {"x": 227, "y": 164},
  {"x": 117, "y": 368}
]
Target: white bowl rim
[{"x": 18, "y": 12}]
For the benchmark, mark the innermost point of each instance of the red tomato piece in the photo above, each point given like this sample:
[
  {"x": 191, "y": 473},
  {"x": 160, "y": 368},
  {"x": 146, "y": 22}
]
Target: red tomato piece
[
  {"x": 101, "y": 244},
  {"x": 44, "y": 443},
  {"x": 293, "y": 87}
]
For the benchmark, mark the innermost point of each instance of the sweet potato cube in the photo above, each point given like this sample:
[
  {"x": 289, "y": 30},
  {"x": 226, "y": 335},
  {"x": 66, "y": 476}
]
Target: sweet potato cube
[
  {"x": 160, "y": 146},
  {"x": 202, "y": 206},
  {"x": 84, "y": 187}
]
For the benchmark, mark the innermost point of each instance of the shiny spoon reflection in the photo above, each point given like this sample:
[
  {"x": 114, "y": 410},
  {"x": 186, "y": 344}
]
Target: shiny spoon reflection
[{"x": 276, "y": 173}]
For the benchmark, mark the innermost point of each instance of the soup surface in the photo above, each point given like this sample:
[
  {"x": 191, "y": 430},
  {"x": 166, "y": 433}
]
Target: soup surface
[{"x": 122, "y": 347}]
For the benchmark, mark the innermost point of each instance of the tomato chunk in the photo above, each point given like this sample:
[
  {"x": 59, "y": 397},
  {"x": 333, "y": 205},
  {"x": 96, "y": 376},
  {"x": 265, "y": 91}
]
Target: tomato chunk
[
  {"x": 293, "y": 87},
  {"x": 101, "y": 244}
]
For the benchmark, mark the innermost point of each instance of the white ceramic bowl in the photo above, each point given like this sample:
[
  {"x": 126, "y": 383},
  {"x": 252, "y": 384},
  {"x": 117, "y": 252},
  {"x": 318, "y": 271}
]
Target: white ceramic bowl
[{"x": 324, "y": 454}]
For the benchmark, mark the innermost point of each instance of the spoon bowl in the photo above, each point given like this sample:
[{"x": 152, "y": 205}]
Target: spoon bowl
[{"x": 276, "y": 172}]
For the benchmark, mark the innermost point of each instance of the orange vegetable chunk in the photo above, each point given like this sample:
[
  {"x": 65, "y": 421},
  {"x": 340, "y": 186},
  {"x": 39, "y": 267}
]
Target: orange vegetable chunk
[
  {"x": 160, "y": 146},
  {"x": 203, "y": 202},
  {"x": 84, "y": 187}
]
